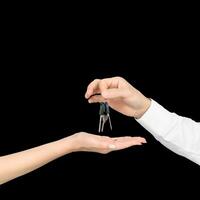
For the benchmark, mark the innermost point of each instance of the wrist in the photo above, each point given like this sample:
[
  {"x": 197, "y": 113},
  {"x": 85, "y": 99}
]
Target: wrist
[
  {"x": 67, "y": 145},
  {"x": 145, "y": 106},
  {"x": 74, "y": 142}
]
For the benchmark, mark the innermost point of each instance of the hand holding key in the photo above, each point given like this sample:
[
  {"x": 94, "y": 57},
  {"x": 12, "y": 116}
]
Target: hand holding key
[{"x": 120, "y": 96}]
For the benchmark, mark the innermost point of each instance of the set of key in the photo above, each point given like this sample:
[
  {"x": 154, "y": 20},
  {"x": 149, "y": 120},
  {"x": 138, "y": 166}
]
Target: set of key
[{"x": 104, "y": 113}]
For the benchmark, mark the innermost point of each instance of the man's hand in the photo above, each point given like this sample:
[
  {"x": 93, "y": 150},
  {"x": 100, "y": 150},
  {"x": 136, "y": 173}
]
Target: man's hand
[{"x": 119, "y": 94}]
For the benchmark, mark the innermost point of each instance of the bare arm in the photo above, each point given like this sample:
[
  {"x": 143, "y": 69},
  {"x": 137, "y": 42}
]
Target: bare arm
[{"x": 18, "y": 164}]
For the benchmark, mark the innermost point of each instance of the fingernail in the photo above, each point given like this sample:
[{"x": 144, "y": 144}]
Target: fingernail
[
  {"x": 87, "y": 95},
  {"x": 111, "y": 146}
]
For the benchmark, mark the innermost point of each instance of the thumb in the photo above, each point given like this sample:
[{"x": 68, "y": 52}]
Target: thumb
[{"x": 113, "y": 93}]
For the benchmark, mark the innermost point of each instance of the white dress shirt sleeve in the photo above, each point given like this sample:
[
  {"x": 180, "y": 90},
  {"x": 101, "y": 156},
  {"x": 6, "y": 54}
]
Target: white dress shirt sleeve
[{"x": 179, "y": 134}]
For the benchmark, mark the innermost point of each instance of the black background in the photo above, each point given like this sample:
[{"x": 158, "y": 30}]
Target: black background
[{"x": 46, "y": 66}]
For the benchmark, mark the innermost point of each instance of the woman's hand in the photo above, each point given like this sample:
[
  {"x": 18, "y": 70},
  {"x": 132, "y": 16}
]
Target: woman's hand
[{"x": 103, "y": 144}]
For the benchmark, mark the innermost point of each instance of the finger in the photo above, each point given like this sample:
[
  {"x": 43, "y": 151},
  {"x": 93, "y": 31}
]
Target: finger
[
  {"x": 96, "y": 98},
  {"x": 109, "y": 83},
  {"x": 123, "y": 143},
  {"x": 132, "y": 139},
  {"x": 98, "y": 86},
  {"x": 114, "y": 82},
  {"x": 92, "y": 88},
  {"x": 128, "y": 138},
  {"x": 113, "y": 93},
  {"x": 104, "y": 85},
  {"x": 119, "y": 143}
]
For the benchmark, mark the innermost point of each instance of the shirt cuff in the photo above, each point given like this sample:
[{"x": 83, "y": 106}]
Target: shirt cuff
[{"x": 157, "y": 120}]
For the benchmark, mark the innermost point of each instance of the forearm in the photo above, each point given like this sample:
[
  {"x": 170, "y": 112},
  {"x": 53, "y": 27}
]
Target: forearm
[
  {"x": 18, "y": 164},
  {"x": 180, "y": 134}
]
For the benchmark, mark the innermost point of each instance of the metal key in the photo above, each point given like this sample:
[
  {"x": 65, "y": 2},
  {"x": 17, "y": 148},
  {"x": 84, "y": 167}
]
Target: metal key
[{"x": 104, "y": 113}]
